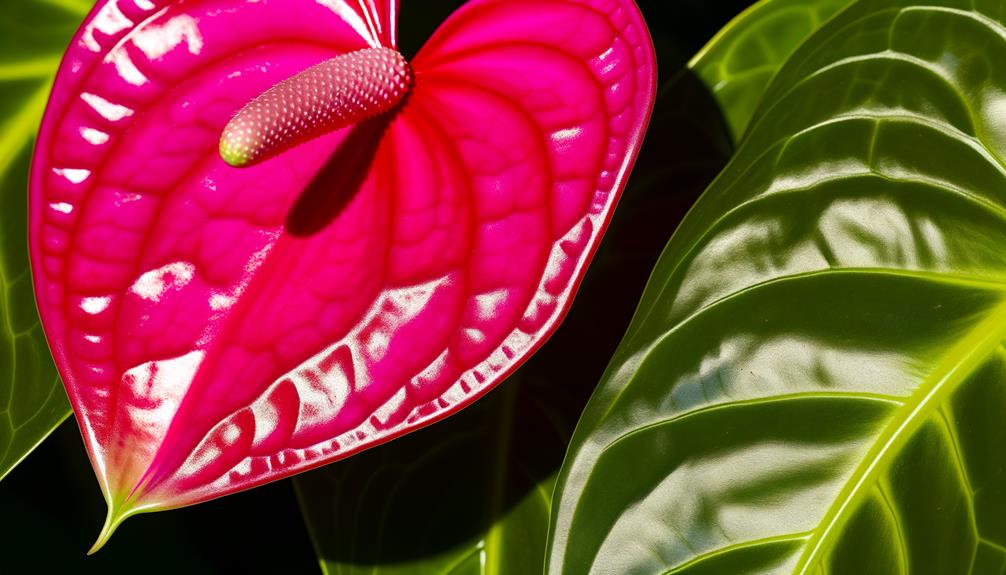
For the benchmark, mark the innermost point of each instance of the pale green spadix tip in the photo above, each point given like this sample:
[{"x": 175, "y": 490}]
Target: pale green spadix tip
[
  {"x": 233, "y": 156},
  {"x": 329, "y": 96}
]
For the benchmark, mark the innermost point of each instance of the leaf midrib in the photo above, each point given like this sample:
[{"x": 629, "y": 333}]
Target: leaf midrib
[
  {"x": 789, "y": 537},
  {"x": 970, "y": 352},
  {"x": 755, "y": 401},
  {"x": 952, "y": 370},
  {"x": 991, "y": 283}
]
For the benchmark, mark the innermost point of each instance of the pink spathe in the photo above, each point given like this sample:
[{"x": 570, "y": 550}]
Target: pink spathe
[{"x": 218, "y": 328}]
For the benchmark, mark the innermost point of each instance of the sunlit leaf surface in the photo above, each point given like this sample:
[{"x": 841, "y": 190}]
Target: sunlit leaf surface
[
  {"x": 33, "y": 35},
  {"x": 814, "y": 380}
]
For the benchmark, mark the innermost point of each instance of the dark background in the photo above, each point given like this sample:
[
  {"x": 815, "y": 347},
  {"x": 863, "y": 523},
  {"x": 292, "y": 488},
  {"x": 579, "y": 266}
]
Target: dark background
[{"x": 52, "y": 506}]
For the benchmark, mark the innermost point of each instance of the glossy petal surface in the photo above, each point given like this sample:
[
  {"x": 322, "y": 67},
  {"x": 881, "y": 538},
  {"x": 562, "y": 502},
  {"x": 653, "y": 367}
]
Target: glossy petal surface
[
  {"x": 32, "y": 403},
  {"x": 814, "y": 380},
  {"x": 219, "y": 328}
]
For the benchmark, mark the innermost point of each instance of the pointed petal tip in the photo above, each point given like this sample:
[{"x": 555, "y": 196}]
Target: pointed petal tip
[
  {"x": 116, "y": 515},
  {"x": 106, "y": 533}
]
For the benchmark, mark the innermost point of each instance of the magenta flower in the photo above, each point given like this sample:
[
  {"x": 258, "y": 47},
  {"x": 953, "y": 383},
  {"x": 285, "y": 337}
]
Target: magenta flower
[{"x": 399, "y": 238}]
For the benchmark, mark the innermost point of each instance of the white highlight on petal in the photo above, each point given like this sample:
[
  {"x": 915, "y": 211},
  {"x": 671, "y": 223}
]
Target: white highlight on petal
[
  {"x": 562, "y": 140},
  {"x": 155, "y": 283},
  {"x": 487, "y": 304},
  {"x": 155, "y": 389},
  {"x": 231, "y": 433},
  {"x": 411, "y": 301},
  {"x": 109, "y": 21},
  {"x": 92, "y": 136},
  {"x": 156, "y": 41},
  {"x": 220, "y": 301},
  {"x": 351, "y": 17},
  {"x": 95, "y": 305},
  {"x": 377, "y": 344},
  {"x": 108, "y": 110},
  {"x": 125, "y": 67},
  {"x": 62, "y": 207},
  {"x": 323, "y": 396},
  {"x": 74, "y": 176},
  {"x": 390, "y": 407}
]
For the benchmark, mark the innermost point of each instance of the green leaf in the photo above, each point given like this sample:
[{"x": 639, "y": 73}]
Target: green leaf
[
  {"x": 33, "y": 36},
  {"x": 738, "y": 63},
  {"x": 815, "y": 379}
]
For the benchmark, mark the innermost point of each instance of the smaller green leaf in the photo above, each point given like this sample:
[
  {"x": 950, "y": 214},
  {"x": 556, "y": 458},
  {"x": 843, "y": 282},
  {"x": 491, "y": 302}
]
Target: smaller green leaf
[
  {"x": 738, "y": 63},
  {"x": 32, "y": 402}
]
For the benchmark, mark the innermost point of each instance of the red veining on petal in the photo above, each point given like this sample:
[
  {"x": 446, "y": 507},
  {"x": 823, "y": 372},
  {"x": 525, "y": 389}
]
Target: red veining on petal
[
  {"x": 326, "y": 97},
  {"x": 220, "y": 328}
]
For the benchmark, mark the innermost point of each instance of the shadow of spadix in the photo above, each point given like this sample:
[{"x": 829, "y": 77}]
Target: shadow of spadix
[{"x": 339, "y": 179}]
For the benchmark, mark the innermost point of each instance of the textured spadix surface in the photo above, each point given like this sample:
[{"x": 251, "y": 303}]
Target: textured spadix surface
[
  {"x": 218, "y": 328},
  {"x": 334, "y": 94}
]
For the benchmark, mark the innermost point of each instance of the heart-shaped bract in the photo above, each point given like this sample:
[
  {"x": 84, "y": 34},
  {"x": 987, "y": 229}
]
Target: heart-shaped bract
[{"x": 218, "y": 328}]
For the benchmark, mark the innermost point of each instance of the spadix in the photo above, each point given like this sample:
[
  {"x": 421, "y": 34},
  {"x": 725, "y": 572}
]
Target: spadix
[{"x": 326, "y": 97}]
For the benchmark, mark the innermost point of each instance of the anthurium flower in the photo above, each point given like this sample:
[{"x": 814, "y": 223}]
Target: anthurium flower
[{"x": 385, "y": 242}]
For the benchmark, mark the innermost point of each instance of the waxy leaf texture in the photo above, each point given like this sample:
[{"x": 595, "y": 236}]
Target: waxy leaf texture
[
  {"x": 218, "y": 328},
  {"x": 813, "y": 383}
]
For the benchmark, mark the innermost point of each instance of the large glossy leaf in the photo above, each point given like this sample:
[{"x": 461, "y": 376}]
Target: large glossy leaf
[
  {"x": 814, "y": 380},
  {"x": 33, "y": 34},
  {"x": 739, "y": 62},
  {"x": 219, "y": 328}
]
